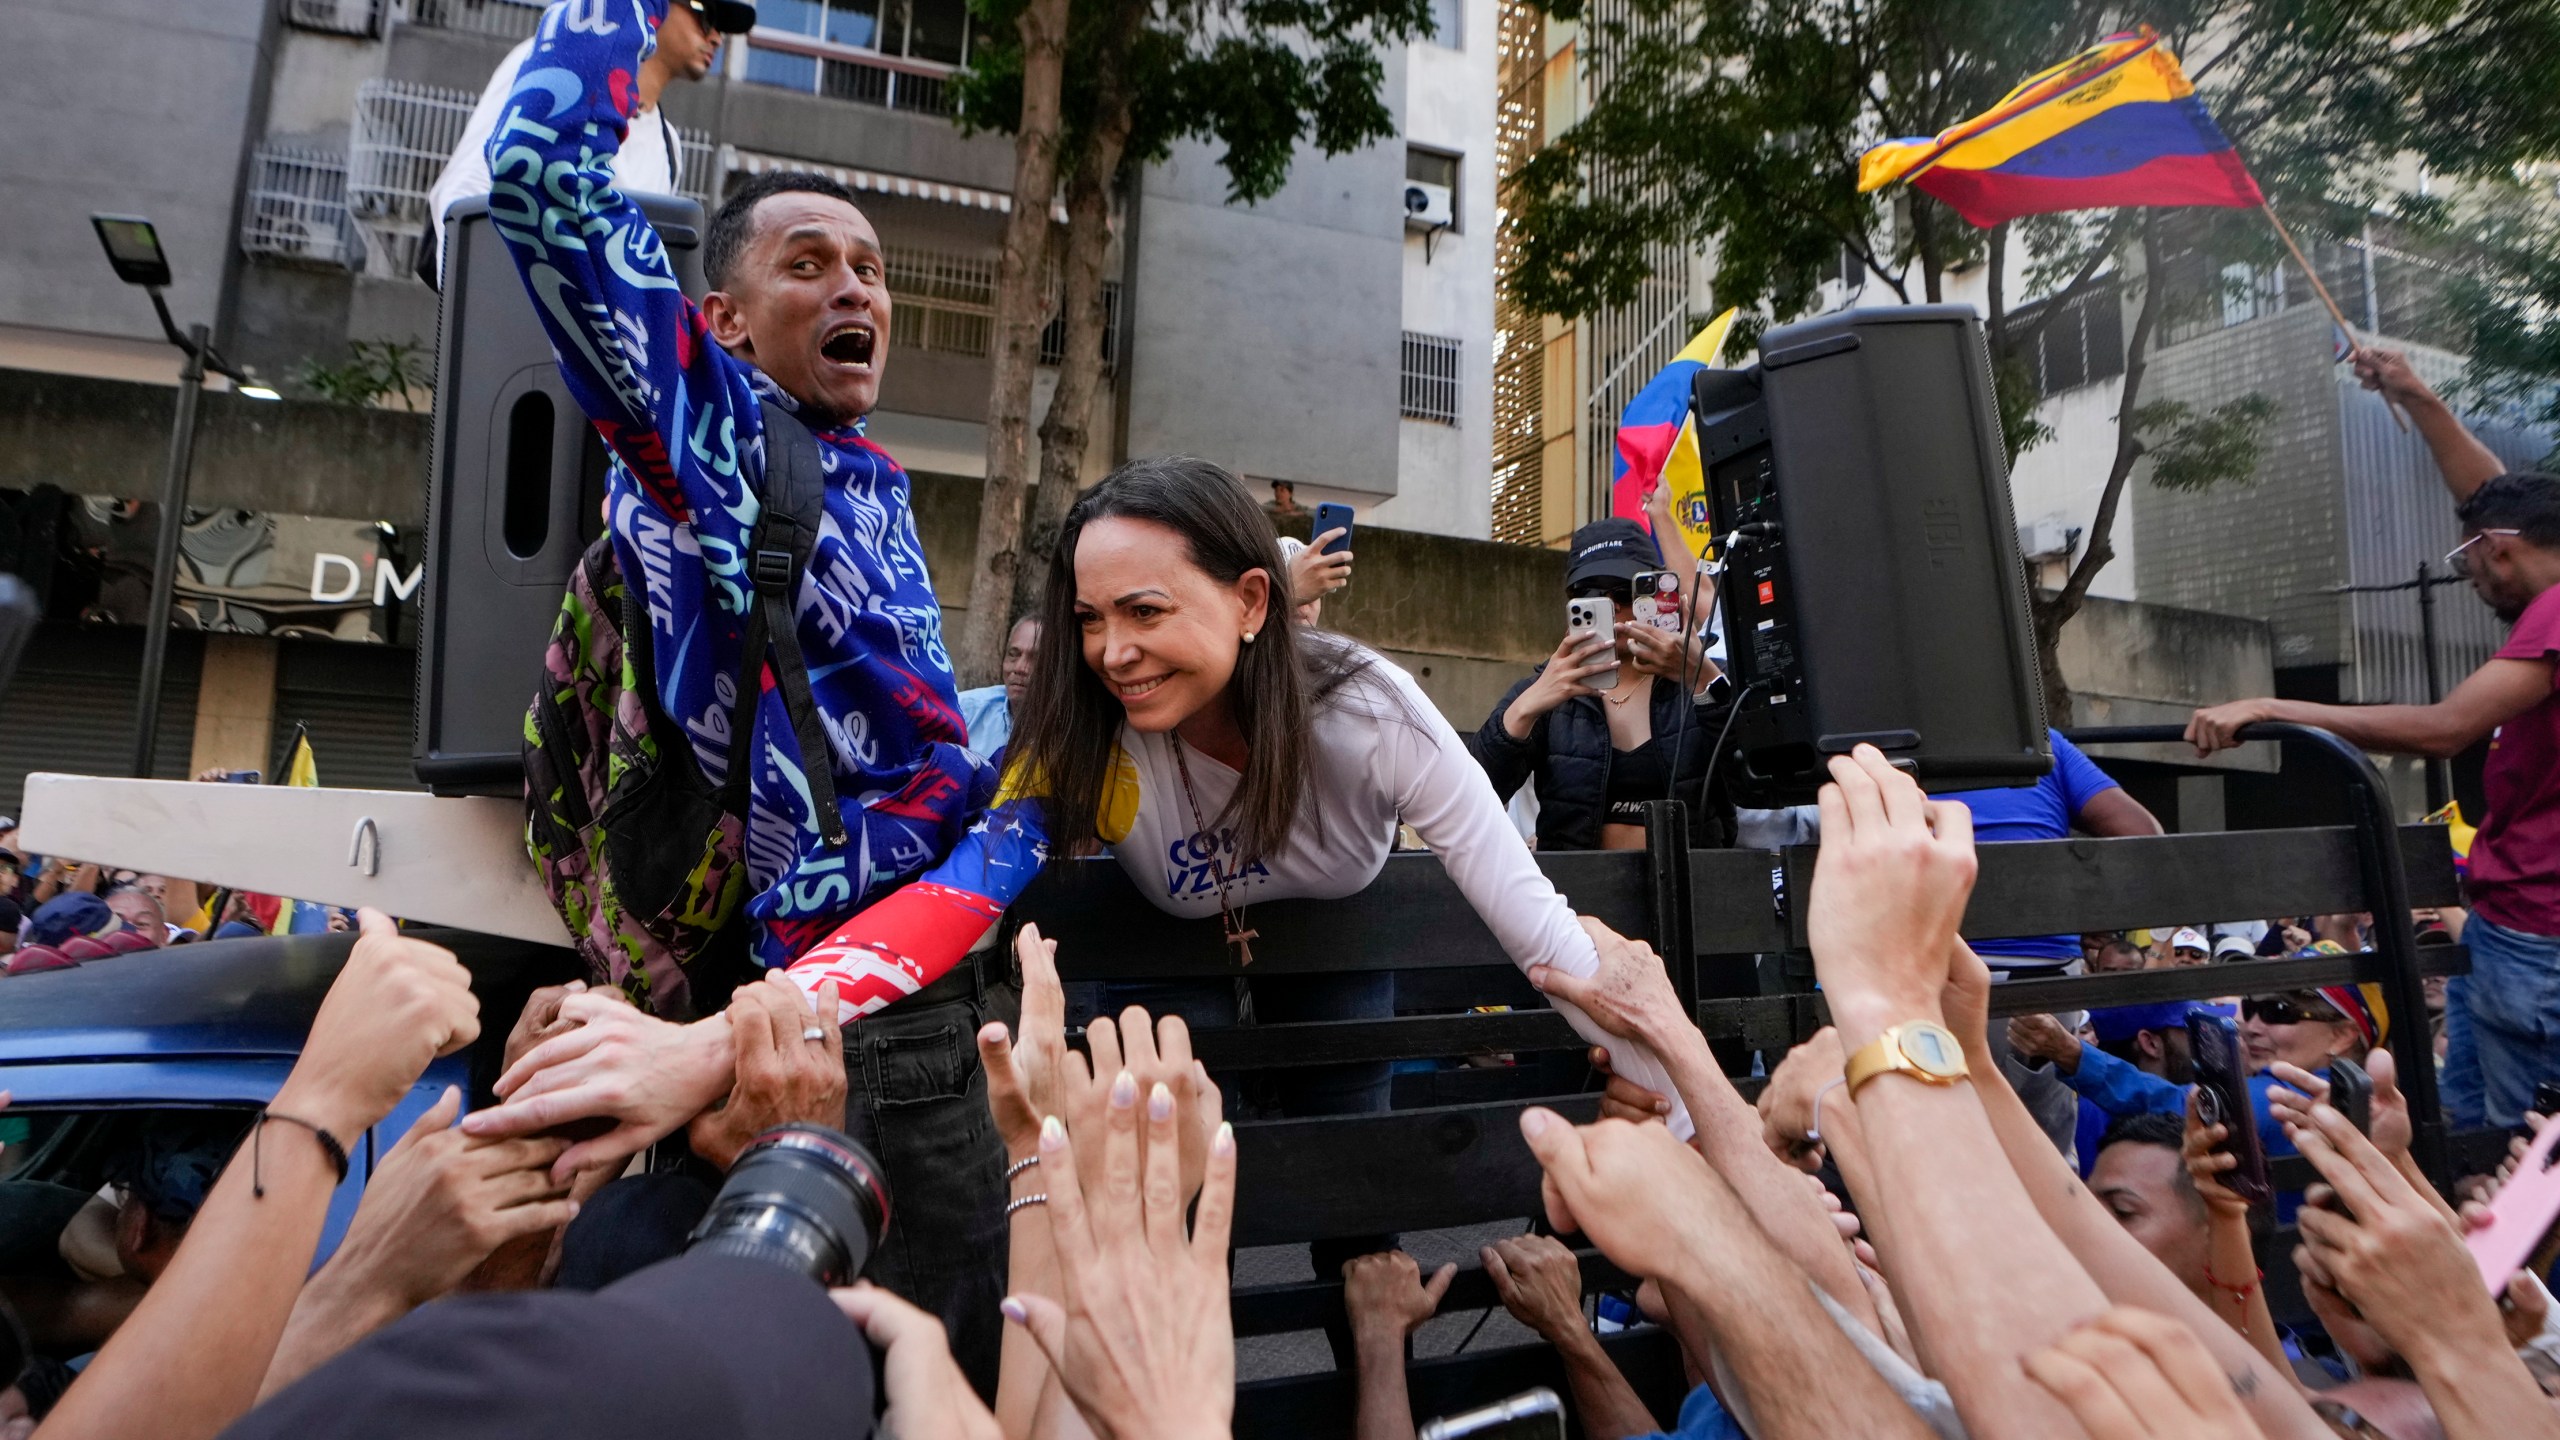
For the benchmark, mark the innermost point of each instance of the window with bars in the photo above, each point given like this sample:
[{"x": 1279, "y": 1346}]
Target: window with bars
[
  {"x": 1428, "y": 387},
  {"x": 941, "y": 300},
  {"x": 297, "y": 206},
  {"x": 2079, "y": 343},
  {"x": 335, "y": 17},
  {"x": 1053, "y": 339}
]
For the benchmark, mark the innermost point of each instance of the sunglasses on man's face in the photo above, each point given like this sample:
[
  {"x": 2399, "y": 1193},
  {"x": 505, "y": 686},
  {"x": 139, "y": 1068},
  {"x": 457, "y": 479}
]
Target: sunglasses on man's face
[
  {"x": 2285, "y": 1010},
  {"x": 2458, "y": 559}
]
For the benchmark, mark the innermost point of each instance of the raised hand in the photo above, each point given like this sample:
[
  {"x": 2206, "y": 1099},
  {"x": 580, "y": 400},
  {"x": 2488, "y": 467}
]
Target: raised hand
[
  {"x": 1143, "y": 1343},
  {"x": 2217, "y": 727},
  {"x": 1026, "y": 1074},
  {"x": 440, "y": 1202},
  {"x": 1314, "y": 574},
  {"x": 397, "y": 1005},
  {"x": 1539, "y": 1280},
  {"x": 2206, "y": 1165},
  {"x": 646, "y": 1076},
  {"x": 2042, "y": 1037},
  {"x": 929, "y": 1399},
  {"x": 1643, "y": 1197},
  {"x": 2134, "y": 1375},
  {"x": 1789, "y": 1103},
  {"x": 1629, "y": 995},
  {"x": 2389, "y": 1252},
  {"x": 1624, "y": 1099},
  {"x": 786, "y": 1073},
  {"x": 1889, "y": 886},
  {"x": 1577, "y": 659},
  {"x": 1387, "y": 1297},
  {"x": 1154, "y": 1052}
]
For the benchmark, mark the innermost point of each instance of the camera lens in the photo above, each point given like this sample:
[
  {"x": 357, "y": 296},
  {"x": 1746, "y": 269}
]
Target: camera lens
[{"x": 803, "y": 1197}]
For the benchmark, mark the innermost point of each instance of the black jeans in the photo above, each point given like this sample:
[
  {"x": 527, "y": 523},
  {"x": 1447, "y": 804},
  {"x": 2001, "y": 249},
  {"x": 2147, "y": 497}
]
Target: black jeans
[{"x": 917, "y": 1099}]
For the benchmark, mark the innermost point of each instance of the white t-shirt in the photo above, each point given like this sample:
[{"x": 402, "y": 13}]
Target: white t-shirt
[
  {"x": 646, "y": 162},
  {"x": 1372, "y": 765}
]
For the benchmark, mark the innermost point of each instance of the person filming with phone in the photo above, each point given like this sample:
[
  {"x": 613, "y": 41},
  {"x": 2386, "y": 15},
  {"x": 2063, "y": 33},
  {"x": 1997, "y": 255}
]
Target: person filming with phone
[{"x": 1629, "y": 709}]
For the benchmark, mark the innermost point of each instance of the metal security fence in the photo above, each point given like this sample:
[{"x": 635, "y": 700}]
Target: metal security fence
[
  {"x": 944, "y": 300},
  {"x": 1427, "y": 387},
  {"x": 297, "y": 206}
]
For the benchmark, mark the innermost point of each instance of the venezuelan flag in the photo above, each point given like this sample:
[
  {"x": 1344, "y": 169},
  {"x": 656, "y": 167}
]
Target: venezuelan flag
[
  {"x": 2116, "y": 124},
  {"x": 1650, "y": 425}
]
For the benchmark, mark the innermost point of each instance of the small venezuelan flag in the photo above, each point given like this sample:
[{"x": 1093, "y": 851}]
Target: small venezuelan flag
[
  {"x": 2117, "y": 124},
  {"x": 1650, "y": 425}
]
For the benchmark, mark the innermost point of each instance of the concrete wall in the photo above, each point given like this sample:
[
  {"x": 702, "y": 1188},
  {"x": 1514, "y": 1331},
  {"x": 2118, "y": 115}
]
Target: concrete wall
[
  {"x": 1266, "y": 337},
  {"x": 2135, "y": 664},
  {"x": 295, "y": 457},
  {"x": 135, "y": 107},
  {"x": 2269, "y": 547}
]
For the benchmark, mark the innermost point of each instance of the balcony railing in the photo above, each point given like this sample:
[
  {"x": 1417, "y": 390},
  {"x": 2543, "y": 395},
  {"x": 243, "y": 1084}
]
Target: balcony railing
[
  {"x": 297, "y": 206},
  {"x": 510, "y": 19},
  {"x": 844, "y": 72}
]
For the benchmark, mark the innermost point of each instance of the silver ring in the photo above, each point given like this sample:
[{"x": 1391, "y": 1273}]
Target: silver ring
[{"x": 814, "y": 1032}]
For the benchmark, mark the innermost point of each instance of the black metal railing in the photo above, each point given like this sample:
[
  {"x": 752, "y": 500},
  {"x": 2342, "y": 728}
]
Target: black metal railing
[{"x": 1450, "y": 1154}]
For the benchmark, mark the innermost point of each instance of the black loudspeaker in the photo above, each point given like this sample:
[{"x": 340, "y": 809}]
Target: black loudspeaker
[
  {"x": 515, "y": 492},
  {"x": 1872, "y": 589}
]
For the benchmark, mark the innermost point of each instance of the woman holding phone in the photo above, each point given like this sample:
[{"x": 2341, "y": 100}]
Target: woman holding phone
[{"x": 1609, "y": 723}]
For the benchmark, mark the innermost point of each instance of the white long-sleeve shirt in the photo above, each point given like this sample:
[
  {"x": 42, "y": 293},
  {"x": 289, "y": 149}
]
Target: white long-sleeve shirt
[
  {"x": 646, "y": 163},
  {"x": 1380, "y": 755}
]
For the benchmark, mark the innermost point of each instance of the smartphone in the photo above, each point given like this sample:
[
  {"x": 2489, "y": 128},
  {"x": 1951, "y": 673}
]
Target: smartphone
[
  {"x": 243, "y": 777},
  {"x": 2351, "y": 1091},
  {"x": 1594, "y": 615},
  {"x": 2222, "y": 1098},
  {"x": 2519, "y": 1215},
  {"x": 1531, "y": 1415},
  {"x": 1658, "y": 600},
  {"x": 1330, "y": 516}
]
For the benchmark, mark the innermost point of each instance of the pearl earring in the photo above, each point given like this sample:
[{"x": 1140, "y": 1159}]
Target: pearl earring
[{"x": 1248, "y": 637}]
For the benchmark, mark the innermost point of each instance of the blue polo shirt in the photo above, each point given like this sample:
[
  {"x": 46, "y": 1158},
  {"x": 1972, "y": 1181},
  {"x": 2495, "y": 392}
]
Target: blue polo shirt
[{"x": 2042, "y": 811}]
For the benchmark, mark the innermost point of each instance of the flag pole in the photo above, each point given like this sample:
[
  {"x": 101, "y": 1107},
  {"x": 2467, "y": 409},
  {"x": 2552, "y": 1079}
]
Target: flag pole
[{"x": 2326, "y": 299}]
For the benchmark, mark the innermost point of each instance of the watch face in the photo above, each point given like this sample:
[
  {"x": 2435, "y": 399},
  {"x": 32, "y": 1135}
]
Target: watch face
[{"x": 1932, "y": 1049}]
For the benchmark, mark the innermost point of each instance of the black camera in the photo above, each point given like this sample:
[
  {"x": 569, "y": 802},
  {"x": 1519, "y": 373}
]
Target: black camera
[{"x": 803, "y": 1197}]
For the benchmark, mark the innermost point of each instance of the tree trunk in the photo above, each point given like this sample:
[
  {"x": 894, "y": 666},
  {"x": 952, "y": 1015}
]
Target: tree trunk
[
  {"x": 2052, "y": 612},
  {"x": 1022, "y": 310},
  {"x": 1067, "y": 427}
]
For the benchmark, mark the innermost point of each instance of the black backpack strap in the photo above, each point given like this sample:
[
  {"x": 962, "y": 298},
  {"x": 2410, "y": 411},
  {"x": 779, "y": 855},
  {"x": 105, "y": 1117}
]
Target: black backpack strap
[{"x": 786, "y": 537}]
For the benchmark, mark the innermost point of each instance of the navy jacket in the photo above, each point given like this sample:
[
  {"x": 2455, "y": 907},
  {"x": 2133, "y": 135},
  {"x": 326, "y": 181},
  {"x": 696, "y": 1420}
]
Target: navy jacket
[{"x": 1567, "y": 755}]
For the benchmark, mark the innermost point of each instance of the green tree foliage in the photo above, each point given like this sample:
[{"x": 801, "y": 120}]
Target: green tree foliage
[
  {"x": 1255, "y": 77},
  {"x": 375, "y": 372},
  {"x": 1736, "y": 126}
]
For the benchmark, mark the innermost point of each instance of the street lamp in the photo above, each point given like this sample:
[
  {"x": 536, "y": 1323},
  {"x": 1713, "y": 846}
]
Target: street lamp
[{"x": 133, "y": 249}]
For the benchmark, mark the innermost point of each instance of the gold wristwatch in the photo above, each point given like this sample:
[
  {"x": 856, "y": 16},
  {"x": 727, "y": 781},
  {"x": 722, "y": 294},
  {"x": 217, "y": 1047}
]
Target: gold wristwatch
[{"x": 1922, "y": 1049}]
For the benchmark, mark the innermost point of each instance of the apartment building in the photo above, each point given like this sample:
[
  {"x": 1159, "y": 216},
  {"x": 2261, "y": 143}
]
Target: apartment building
[{"x": 1335, "y": 336}]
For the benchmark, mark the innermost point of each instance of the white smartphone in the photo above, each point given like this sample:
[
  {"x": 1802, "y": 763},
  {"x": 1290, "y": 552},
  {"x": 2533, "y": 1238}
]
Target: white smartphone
[{"x": 1594, "y": 615}]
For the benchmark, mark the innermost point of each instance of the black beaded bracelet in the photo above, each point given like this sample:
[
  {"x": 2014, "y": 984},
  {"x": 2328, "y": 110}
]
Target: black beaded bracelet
[{"x": 329, "y": 1146}]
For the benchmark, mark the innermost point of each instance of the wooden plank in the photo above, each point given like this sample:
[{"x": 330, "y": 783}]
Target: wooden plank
[
  {"x": 1298, "y": 1407},
  {"x": 2045, "y": 887},
  {"x": 1411, "y": 917},
  {"x": 438, "y": 860},
  {"x": 1405, "y": 1170}
]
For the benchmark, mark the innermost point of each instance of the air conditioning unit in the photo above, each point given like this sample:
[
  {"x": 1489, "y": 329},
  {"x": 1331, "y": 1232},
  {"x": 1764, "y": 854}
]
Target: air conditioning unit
[
  {"x": 2047, "y": 538},
  {"x": 1428, "y": 206}
]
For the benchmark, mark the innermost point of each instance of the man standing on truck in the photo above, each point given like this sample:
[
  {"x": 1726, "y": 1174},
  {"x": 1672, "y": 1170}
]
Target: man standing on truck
[
  {"x": 797, "y": 314},
  {"x": 2503, "y": 1019}
]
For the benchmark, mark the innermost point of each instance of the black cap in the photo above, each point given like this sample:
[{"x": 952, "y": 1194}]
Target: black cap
[
  {"x": 1611, "y": 549},
  {"x": 729, "y": 17}
]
